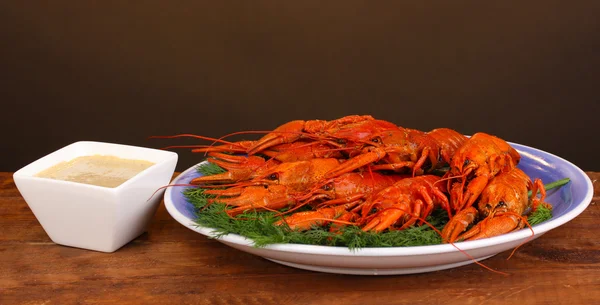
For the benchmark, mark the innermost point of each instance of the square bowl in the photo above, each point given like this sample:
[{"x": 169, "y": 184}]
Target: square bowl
[{"x": 95, "y": 217}]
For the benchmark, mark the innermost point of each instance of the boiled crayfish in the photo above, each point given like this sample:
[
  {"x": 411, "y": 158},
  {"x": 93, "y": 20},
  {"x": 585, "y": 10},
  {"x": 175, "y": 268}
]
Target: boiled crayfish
[
  {"x": 401, "y": 148},
  {"x": 302, "y": 221},
  {"x": 475, "y": 163},
  {"x": 275, "y": 187},
  {"x": 342, "y": 132},
  {"x": 373, "y": 174},
  {"x": 405, "y": 202},
  {"x": 500, "y": 207}
]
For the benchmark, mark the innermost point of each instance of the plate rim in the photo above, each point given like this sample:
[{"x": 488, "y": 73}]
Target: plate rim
[{"x": 392, "y": 251}]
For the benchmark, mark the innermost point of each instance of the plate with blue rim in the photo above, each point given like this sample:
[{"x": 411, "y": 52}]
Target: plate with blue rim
[{"x": 568, "y": 202}]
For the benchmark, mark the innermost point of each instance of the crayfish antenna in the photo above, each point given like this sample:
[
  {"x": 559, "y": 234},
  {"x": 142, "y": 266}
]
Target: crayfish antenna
[
  {"x": 457, "y": 248},
  {"x": 465, "y": 253},
  {"x": 295, "y": 208},
  {"x": 182, "y": 146},
  {"x": 450, "y": 178},
  {"x": 527, "y": 240},
  {"x": 260, "y": 132},
  {"x": 169, "y": 185},
  {"x": 188, "y": 135},
  {"x": 196, "y": 147}
]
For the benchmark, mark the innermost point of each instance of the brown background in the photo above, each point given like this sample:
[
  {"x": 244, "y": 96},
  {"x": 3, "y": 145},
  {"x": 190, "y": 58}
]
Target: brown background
[{"x": 119, "y": 72}]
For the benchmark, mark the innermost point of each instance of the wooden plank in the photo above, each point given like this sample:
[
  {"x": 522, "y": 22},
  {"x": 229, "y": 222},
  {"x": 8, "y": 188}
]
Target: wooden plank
[{"x": 172, "y": 264}]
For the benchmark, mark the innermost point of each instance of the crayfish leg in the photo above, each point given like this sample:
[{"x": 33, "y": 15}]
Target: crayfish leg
[
  {"x": 417, "y": 166},
  {"x": 237, "y": 147},
  {"x": 417, "y": 211},
  {"x": 356, "y": 198},
  {"x": 394, "y": 166},
  {"x": 474, "y": 189},
  {"x": 345, "y": 217},
  {"x": 538, "y": 186},
  {"x": 422, "y": 207}
]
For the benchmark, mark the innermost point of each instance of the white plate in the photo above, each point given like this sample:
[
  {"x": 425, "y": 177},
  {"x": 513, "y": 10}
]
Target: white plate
[{"x": 568, "y": 202}]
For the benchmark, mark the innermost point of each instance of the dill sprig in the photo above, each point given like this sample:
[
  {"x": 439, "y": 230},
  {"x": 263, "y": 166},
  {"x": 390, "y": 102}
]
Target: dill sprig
[
  {"x": 540, "y": 215},
  {"x": 261, "y": 229},
  {"x": 208, "y": 169}
]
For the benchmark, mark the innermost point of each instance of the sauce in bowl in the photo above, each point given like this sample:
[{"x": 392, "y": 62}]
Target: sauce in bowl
[{"x": 100, "y": 170}]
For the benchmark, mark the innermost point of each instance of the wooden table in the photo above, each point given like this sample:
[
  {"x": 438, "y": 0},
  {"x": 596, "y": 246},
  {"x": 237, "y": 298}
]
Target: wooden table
[{"x": 172, "y": 264}]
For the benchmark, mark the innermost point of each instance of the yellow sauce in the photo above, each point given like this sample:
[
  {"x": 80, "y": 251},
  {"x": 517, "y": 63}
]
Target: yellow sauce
[{"x": 100, "y": 170}]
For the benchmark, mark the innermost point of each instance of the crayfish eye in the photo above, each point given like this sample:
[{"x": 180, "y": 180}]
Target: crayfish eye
[
  {"x": 273, "y": 176},
  {"x": 501, "y": 204},
  {"x": 327, "y": 187},
  {"x": 341, "y": 141},
  {"x": 376, "y": 140},
  {"x": 467, "y": 161}
]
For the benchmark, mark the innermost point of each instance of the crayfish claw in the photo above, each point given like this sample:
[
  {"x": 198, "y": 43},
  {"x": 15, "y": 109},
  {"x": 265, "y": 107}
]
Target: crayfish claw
[
  {"x": 286, "y": 133},
  {"x": 493, "y": 226},
  {"x": 458, "y": 224}
]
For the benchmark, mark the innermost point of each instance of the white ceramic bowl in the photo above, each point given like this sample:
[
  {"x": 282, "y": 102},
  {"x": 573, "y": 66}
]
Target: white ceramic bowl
[{"x": 94, "y": 217}]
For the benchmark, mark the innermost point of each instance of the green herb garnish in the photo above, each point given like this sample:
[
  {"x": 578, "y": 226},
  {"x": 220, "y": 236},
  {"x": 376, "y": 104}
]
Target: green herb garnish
[
  {"x": 540, "y": 215},
  {"x": 208, "y": 169},
  {"x": 259, "y": 226}
]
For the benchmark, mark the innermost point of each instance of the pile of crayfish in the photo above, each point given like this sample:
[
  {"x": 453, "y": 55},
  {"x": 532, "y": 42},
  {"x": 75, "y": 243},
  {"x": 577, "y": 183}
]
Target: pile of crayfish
[{"x": 371, "y": 173}]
